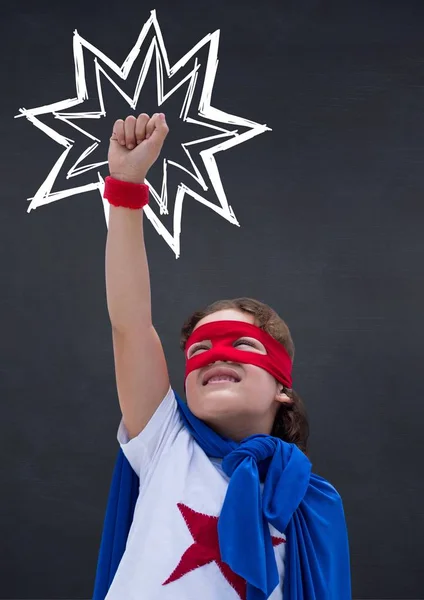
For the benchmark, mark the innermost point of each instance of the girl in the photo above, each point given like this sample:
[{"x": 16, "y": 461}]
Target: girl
[{"x": 213, "y": 497}]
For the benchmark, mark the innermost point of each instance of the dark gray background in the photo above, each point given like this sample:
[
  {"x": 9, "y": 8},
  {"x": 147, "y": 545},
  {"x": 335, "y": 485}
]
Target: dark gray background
[{"x": 331, "y": 211}]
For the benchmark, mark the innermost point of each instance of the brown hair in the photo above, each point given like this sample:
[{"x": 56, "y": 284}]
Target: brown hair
[{"x": 291, "y": 422}]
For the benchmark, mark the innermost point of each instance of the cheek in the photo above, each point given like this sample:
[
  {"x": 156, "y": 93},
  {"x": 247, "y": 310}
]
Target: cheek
[
  {"x": 260, "y": 380},
  {"x": 191, "y": 382},
  {"x": 255, "y": 373}
]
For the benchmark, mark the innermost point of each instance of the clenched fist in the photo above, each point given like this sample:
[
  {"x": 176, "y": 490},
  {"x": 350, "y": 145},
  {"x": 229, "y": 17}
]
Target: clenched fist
[{"x": 135, "y": 145}]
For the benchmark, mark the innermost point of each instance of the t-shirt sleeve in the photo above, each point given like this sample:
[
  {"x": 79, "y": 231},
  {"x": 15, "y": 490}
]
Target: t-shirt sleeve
[{"x": 144, "y": 450}]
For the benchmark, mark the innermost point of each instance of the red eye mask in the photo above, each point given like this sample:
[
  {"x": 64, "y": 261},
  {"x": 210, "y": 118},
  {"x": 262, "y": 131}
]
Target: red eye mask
[{"x": 223, "y": 334}]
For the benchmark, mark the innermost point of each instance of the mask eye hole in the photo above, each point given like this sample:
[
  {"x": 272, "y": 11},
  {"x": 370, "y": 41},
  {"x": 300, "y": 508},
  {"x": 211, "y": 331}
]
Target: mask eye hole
[
  {"x": 250, "y": 345},
  {"x": 198, "y": 348},
  {"x": 246, "y": 344}
]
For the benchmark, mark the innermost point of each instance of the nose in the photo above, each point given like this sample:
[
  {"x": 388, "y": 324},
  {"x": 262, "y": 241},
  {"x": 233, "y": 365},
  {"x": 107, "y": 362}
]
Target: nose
[{"x": 224, "y": 362}]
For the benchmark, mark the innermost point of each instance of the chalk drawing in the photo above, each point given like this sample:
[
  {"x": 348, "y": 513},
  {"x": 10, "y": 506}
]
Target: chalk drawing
[{"x": 222, "y": 124}]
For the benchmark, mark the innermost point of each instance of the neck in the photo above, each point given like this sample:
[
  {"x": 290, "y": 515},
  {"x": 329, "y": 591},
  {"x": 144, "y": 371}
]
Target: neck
[{"x": 238, "y": 428}]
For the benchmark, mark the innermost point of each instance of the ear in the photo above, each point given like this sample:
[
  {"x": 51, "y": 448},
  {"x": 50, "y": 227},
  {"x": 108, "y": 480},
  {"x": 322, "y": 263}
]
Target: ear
[{"x": 282, "y": 397}]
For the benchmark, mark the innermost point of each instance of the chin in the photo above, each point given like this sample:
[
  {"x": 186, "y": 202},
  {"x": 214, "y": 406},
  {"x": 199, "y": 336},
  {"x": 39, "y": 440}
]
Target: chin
[{"x": 216, "y": 403}]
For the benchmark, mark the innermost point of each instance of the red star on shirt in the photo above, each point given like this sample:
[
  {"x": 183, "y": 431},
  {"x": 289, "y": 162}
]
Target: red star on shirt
[{"x": 205, "y": 549}]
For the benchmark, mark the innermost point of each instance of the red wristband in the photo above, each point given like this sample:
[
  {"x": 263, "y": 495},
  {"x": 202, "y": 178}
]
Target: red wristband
[{"x": 125, "y": 193}]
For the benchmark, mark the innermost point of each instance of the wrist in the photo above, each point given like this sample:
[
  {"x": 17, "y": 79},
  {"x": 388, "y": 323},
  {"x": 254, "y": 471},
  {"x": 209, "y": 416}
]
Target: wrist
[
  {"x": 128, "y": 178},
  {"x": 129, "y": 194}
]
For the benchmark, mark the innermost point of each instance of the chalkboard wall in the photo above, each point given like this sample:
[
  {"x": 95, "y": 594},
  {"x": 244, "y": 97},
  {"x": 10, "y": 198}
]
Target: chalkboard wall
[{"x": 325, "y": 224}]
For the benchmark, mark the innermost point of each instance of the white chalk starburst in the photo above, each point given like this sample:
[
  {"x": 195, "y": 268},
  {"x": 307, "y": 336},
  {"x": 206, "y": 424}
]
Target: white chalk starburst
[{"x": 218, "y": 122}]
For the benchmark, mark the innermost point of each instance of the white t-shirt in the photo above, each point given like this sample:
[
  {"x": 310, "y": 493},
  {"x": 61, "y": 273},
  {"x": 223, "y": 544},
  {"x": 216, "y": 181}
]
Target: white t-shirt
[{"x": 172, "y": 549}]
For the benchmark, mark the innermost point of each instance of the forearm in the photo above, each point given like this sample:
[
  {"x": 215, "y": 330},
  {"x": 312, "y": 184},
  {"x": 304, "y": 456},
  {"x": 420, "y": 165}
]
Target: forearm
[{"x": 127, "y": 271}]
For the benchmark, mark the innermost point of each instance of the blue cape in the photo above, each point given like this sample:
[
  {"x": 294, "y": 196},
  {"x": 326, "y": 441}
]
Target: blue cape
[{"x": 300, "y": 504}]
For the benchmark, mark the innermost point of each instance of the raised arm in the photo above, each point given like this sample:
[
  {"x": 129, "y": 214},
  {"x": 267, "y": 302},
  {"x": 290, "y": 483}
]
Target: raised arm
[{"x": 141, "y": 372}]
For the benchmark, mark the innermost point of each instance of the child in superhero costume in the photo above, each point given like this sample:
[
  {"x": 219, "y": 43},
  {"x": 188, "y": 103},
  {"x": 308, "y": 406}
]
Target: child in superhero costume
[{"x": 211, "y": 498}]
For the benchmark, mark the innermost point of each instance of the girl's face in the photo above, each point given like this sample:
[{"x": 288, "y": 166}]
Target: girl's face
[{"x": 235, "y": 409}]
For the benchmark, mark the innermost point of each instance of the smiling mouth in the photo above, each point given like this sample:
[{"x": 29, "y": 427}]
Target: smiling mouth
[{"x": 221, "y": 379}]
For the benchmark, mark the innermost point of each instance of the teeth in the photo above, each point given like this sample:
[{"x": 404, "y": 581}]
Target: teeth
[{"x": 222, "y": 378}]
